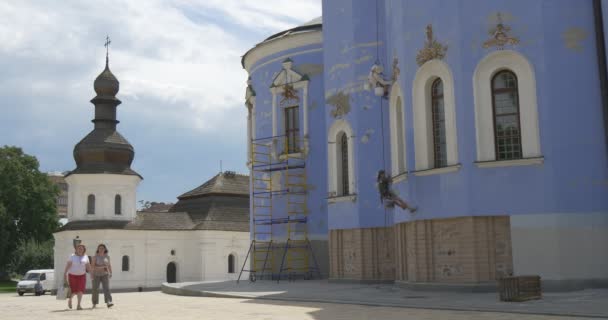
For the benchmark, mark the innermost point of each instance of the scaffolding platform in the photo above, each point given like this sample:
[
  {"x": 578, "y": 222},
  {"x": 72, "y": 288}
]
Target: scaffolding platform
[{"x": 291, "y": 188}]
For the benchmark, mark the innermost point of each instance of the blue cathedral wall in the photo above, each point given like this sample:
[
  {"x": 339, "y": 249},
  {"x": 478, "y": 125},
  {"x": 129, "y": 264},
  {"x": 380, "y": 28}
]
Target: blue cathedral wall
[
  {"x": 263, "y": 73},
  {"x": 557, "y": 38}
]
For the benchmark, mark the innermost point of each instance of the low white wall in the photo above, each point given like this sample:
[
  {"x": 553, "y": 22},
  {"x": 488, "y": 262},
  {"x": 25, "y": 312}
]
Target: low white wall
[
  {"x": 200, "y": 255},
  {"x": 561, "y": 246}
]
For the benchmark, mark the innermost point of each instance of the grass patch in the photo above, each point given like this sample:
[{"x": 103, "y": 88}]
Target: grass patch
[{"x": 8, "y": 286}]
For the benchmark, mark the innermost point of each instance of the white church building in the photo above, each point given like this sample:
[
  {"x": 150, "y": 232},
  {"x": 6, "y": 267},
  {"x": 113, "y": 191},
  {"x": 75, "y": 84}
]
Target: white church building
[{"x": 205, "y": 236}]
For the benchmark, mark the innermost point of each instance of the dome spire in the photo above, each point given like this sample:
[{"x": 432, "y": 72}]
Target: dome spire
[{"x": 107, "y": 45}]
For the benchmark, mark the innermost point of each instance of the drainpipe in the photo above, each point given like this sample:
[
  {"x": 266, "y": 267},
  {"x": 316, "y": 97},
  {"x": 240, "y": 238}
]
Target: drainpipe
[{"x": 601, "y": 61}]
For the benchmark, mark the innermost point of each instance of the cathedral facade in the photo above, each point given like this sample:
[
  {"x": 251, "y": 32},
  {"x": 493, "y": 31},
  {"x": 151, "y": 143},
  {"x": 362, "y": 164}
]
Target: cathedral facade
[{"x": 487, "y": 117}]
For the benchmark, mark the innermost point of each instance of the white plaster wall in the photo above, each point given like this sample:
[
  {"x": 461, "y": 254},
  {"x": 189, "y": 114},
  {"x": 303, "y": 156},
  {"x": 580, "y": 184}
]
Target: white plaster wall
[
  {"x": 571, "y": 246},
  {"x": 105, "y": 187},
  {"x": 199, "y": 255}
]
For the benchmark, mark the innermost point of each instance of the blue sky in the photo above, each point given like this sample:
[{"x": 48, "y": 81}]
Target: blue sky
[{"x": 181, "y": 82}]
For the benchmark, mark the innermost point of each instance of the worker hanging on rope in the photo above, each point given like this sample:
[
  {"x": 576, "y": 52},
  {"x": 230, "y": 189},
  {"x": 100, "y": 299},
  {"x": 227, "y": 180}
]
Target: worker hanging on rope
[{"x": 384, "y": 186}]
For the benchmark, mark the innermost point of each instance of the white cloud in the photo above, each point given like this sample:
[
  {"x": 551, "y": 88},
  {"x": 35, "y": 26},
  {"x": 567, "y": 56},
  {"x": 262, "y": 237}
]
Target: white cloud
[
  {"x": 178, "y": 63},
  {"x": 174, "y": 52}
]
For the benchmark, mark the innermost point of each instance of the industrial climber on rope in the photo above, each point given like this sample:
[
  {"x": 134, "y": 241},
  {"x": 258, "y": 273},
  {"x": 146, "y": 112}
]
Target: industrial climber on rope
[{"x": 384, "y": 186}]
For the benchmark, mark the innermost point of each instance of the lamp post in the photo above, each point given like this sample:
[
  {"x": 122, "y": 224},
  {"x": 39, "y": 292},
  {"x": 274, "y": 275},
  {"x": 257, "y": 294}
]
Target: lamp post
[{"x": 76, "y": 241}]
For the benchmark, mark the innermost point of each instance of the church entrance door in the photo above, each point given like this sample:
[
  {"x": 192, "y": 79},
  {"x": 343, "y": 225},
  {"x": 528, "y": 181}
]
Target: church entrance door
[{"x": 171, "y": 272}]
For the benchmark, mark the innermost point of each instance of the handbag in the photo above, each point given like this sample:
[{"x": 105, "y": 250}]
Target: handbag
[
  {"x": 64, "y": 291},
  {"x": 61, "y": 293}
]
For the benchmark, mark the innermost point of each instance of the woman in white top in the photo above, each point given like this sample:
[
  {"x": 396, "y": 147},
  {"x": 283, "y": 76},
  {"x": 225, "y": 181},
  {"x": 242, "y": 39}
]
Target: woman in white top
[{"x": 76, "y": 274}]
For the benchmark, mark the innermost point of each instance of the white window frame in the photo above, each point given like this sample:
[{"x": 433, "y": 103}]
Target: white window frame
[
  {"x": 250, "y": 128},
  {"x": 528, "y": 109},
  {"x": 423, "y": 127},
  {"x": 398, "y": 150},
  {"x": 300, "y": 84},
  {"x": 334, "y": 165}
]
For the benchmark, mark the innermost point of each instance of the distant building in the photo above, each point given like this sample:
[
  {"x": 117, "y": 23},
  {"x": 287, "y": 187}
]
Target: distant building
[
  {"x": 204, "y": 237},
  {"x": 58, "y": 178}
]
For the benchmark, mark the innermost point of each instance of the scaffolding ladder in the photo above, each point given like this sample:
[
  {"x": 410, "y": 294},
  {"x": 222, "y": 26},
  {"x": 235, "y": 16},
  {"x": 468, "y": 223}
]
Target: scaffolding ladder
[
  {"x": 260, "y": 250},
  {"x": 297, "y": 253}
]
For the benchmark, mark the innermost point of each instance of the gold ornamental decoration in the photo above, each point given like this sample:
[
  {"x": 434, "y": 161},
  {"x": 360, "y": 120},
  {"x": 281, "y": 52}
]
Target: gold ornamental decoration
[
  {"x": 432, "y": 49},
  {"x": 289, "y": 94},
  {"x": 499, "y": 35}
]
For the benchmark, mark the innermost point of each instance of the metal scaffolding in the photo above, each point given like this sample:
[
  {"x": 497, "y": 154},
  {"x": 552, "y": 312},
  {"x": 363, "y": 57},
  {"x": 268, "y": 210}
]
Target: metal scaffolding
[{"x": 297, "y": 258}]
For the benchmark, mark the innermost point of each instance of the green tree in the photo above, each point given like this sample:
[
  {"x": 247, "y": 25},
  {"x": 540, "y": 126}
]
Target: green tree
[
  {"x": 32, "y": 254},
  {"x": 28, "y": 209}
]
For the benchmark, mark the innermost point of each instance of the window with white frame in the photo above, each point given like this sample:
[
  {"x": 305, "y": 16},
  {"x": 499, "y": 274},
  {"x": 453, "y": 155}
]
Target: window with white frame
[
  {"x": 505, "y": 105},
  {"x": 506, "y": 114},
  {"x": 343, "y": 183},
  {"x": 440, "y": 157},
  {"x": 434, "y": 111},
  {"x": 292, "y": 129},
  {"x": 340, "y": 159}
]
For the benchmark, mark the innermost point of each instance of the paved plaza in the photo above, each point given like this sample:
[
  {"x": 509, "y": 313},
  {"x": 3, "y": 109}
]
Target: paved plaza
[
  {"x": 588, "y": 303},
  {"x": 157, "y": 305}
]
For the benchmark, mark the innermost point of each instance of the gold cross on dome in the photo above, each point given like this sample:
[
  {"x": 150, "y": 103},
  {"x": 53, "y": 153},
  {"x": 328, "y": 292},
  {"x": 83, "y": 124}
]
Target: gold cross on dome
[{"x": 107, "y": 44}]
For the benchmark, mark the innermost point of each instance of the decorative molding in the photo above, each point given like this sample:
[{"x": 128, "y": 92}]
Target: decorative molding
[
  {"x": 433, "y": 171},
  {"x": 341, "y": 104},
  {"x": 432, "y": 48},
  {"x": 287, "y": 75},
  {"x": 277, "y": 45},
  {"x": 499, "y": 36},
  {"x": 287, "y": 84},
  {"x": 511, "y": 163}
]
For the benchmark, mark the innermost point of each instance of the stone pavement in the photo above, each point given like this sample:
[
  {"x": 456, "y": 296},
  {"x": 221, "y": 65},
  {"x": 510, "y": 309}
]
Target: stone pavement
[
  {"x": 586, "y": 303},
  {"x": 156, "y": 306}
]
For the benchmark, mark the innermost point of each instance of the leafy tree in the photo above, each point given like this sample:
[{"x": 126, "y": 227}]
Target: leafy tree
[
  {"x": 28, "y": 209},
  {"x": 32, "y": 254}
]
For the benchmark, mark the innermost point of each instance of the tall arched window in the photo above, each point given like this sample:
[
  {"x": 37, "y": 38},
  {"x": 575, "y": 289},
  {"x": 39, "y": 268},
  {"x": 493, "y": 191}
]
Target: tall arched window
[
  {"x": 505, "y": 108},
  {"x": 125, "y": 263},
  {"x": 231, "y": 263},
  {"x": 400, "y": 137},
  {"x": 117, "y": 204},
  {"x": 440, "y": 154},
  {"x": 340, "y": 164},
  {"x": 343, "y": 182},
  {"x": 91, "y": 204}
]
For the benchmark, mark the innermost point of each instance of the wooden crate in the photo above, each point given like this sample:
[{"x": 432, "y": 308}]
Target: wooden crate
[{"x": 519, "y": 288}]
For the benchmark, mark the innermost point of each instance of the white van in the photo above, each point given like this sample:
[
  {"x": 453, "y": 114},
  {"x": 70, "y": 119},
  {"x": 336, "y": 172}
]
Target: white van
[{"x": 28, "y": 283}]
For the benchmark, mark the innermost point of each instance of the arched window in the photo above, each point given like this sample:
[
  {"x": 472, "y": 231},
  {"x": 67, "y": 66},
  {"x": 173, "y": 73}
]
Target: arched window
[
  {"x": 340, "y": 154},
  {"x": 434, "y": 119},
  {"x": 400, "y": 137},
  {"x": 231, "y": 263},
  {"x": 125, "y": 263},
  {"x": 505, "y": 108},
  {"x": 117, "y": 204},
  {"x": 506, "y": 111},
  {"x": 343, "y": 183},
  {"x": 91, "y": 204},
  {"x": 440, "y": 153}
]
